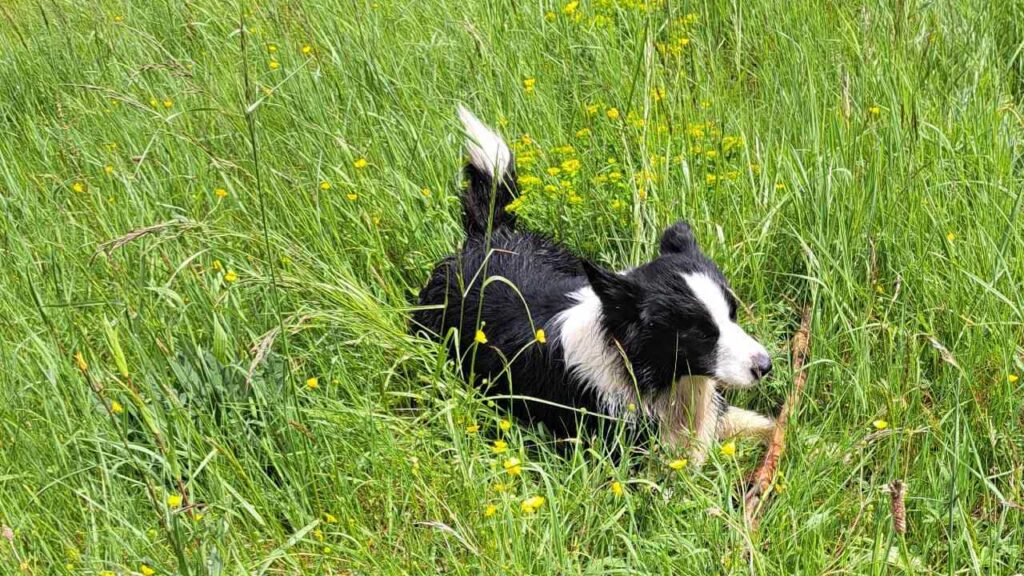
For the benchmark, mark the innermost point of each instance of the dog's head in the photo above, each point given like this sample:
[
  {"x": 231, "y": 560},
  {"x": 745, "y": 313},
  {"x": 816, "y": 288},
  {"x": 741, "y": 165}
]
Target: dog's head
[{"x": 676, "y": 316}]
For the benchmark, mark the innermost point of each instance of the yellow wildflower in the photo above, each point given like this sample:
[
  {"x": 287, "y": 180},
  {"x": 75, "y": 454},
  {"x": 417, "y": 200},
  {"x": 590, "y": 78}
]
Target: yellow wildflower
[
  {"x": 554, "y": 171},
  {"x": 472, "y": 428},
  {"x": 592, "y": 109},
  {"x": 583, "y": 132},
  {"x": 780, "y": 186},
  {"x": 490, "y": 510},
  {"x": 108, "y": 169},
  {"x": 550, "y": 16},
  {"x": 325, "y": 185},
  {"x": 616, "y": 488},
  {"x": 540, "y": 336},
  {"x": 711, "y": 154},
  {"x": 154, "y": 102},
  {"x": 352, "y": 196},
  {"x": 551, "y": 188},
  {"x": 677, "y": 464},
  {"x": 80, "y": 362},
  {"x": 531, "y": 504},
  {"x": 231, "y": 276},
  {"x": 116, "y": 407},
  {"x": 500, "y": 447},
  {"x": 728, "y": 449},
  {"x": 950, "y": 236},
  {"x": 425, "y": 192},
  {"x": 330, "y": 518},
  {"x": 174, "y": 500},
  {"x": 528, "y": 84},
  {"x": 312, "y": 382},
  {"x": 513, "y": 466},
  {"x": 307, "y": 49},
  {"x": 107, "y": 573},
  {"x": 480, "y": 337},
  {"x": 220, "y": 193},
  {"x": 612, "y": 113},
  {"x": 217, "y": 265},
  {"x": 146, "y": 570},
  {"x": 570, "y": 8},
  {"x": 658, "y": 94},
  {"x": 571, "y": 165},
  {"x": 168, "y": 103},
  {"x": 505, "y": 425},
  {"x": 78, "y": 187},
  {"x": 274, "y": 64},
  {"x": 198, "y": 516},
  {"x": 271, "y": 48},
  {"x": 1012, "y": 378},
  {"x": 118, "y": 19},
  {"x": 500, "y": 487},
  {"x": 875, "y": 110},
  {"x": 528, "y": 180},
  {"x": 361, "y": 163},
  {"x": 710, "y": 179},
  {"x": 880, "y": 424}
]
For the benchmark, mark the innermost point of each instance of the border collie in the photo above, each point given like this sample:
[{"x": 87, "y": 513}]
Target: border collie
[{"x": 573, "y": 345}]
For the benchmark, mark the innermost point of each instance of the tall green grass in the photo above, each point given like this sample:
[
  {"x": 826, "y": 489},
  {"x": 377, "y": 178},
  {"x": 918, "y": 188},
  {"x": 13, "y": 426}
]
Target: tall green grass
[{"x": 872, "y": 171}]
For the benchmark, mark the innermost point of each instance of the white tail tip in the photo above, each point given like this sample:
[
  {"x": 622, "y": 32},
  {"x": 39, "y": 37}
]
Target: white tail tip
[{"x": 487, "y": 151}]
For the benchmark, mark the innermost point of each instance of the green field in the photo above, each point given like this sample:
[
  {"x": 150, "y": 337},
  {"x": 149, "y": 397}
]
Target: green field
[{"x": 211, "y": 239}]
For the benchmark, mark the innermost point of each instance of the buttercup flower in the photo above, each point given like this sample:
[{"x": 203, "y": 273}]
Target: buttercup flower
[
  {"x": 513, "y": 466},
  {"x": 325, "y": 185},
  {"x": 531, "y": 504},
  {"x": 500, "y": 447},
  {"x": 528, "y": 84},
  {"x": 361, "y": 163},
  {"x": 880, "y": 424},
  {"x": 472, "y": 428},
  {"x": 612, "y": 113},
  {"x": 220, "y": 193},
  {"x": 480, "y": 337},
  {"x": 728, "y": 449},
  {"x": 1012, "y": 378},
  {"x": 116, "y": 407},
  {"x": 174, "y": 500},
  {"x": 312, "y": 383},
  {"x": 146, "y": 570},
  {"x": 230, "y": 277},
  {"x": 505, "y": 425},
  {"x": 677, "y": 464},
  {"x": 540, "y": 336},
  {"x": 616, "y": 488},
  {"x": 490, "y": 510}
]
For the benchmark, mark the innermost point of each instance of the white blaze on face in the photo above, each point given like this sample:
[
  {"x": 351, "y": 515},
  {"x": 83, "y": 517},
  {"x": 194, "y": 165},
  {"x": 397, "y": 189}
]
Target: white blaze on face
[{"x": 736, "y": 350}]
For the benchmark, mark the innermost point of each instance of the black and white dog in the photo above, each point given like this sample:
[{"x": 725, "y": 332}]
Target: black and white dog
[{"x": 649, "y": 346}]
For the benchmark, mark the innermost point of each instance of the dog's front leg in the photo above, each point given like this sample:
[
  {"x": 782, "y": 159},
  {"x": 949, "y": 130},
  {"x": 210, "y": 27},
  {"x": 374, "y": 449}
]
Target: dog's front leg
[
  {"x": 689, "y": 416},
  {"x": 745, "y": 423}
]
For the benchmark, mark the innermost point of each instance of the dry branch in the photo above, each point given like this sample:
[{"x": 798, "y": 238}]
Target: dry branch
[{"x": 765, "y": 474}]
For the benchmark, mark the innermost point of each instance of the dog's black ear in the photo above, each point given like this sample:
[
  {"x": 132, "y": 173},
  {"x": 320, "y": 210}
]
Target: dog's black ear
[
  {"x": 678, "y": 238},
  {"x": 619, "y": 295}
]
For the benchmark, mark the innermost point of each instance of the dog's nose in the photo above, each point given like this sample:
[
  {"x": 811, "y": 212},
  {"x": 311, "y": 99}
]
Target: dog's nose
[{"x": 762, "y": 365}]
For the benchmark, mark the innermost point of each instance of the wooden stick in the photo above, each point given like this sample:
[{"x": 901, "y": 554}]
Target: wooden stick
[{"x": 764, "y": 476}]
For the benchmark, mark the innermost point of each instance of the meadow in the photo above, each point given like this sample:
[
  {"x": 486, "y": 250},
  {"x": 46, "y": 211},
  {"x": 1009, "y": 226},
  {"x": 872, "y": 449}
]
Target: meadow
[{"x": 216, "y": 217}]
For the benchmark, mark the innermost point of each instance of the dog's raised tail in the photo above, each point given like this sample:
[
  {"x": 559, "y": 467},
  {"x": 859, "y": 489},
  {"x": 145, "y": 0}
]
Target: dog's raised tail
[{"x": 492, "y": 179}]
